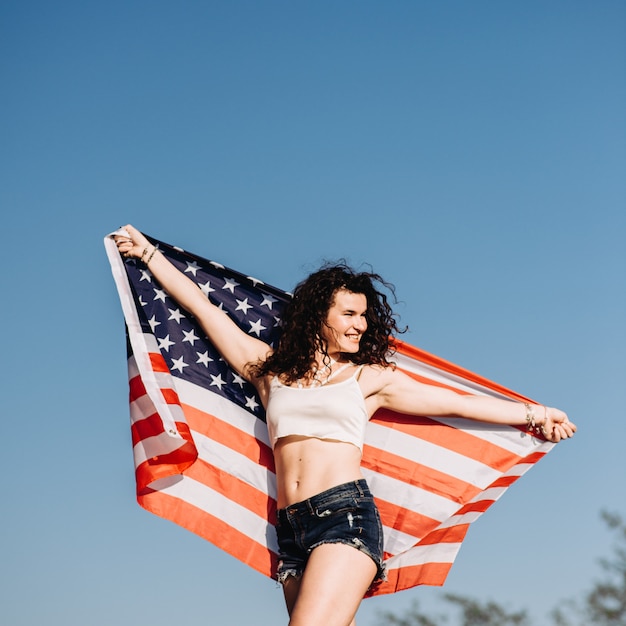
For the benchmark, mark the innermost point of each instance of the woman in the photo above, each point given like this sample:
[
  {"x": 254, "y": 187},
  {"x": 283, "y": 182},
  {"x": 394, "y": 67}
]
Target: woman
[{"x": 327, "y": 376}]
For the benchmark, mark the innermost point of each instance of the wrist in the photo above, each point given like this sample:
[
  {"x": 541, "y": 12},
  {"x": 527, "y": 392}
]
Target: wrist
[{"x": 535, "y": 418}]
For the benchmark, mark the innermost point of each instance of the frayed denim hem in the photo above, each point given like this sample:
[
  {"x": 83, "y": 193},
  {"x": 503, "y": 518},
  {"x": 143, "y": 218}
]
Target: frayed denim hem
[{"x": 381, "y": 571}]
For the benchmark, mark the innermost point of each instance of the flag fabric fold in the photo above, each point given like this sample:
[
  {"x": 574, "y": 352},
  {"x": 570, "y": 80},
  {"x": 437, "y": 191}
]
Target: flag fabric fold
[{"x": 201, "y": 450}]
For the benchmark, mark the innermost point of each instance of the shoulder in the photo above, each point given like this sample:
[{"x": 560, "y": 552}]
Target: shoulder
[{"x": 375, "y": 378}]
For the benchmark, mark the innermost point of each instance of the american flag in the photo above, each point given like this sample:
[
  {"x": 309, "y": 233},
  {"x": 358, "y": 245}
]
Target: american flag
[{"x": 201, "y": 449}]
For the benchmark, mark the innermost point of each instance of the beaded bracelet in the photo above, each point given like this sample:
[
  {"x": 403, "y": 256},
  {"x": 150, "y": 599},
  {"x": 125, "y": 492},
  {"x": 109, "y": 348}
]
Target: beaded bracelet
[
  {"x": 151, "y": 255},
  {"x": 143, "y": 254},
  {"x": 533, "y": 427}
]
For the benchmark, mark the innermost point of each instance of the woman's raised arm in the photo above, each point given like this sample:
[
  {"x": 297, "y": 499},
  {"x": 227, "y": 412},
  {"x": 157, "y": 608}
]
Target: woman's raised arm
[
  {"x": 237, "y": 347},
  {"x": 399, "y": 392}
]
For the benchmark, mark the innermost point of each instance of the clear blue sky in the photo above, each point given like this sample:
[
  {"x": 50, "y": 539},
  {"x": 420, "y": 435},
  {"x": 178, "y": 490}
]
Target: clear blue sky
[{"x": 473, "y": 152}]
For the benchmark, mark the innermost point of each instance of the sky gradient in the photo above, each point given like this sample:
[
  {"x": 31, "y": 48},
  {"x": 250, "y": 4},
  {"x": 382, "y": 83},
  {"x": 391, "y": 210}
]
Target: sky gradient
[{"x": 472, "y": 153}]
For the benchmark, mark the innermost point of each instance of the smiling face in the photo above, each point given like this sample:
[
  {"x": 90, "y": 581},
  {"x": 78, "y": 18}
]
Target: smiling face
[{"x": 345, "y": 323}]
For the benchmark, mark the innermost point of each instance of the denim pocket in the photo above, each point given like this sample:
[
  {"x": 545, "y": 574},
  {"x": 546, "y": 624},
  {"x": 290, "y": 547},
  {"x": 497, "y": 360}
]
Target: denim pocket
[{"x": 335, "y": 507}]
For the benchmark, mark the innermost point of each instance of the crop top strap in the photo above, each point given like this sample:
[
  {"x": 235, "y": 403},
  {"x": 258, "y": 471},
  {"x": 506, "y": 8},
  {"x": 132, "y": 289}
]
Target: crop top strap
[
  {"x": 338, "y": 371},
  {"x": 359, "y": 371}
]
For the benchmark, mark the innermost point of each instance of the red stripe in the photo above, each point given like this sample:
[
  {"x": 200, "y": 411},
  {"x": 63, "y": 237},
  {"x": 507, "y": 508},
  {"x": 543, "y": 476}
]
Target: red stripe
[
  {"x": 452, "y": 534},
  {"x": 247, "y": 496},
  {"x": 411, "y": 522},
  {"x": 449, "y": 437},
  {"x": 411, "y": 575},
  {"x": 137, "y": 388},
  {"x": 446, "y": 366},
  {"x": 416, "y": 474},
  {"x": 230, "y": 436},
  {"x": 164, "y": 466},
  {"x": 212, "y": 529},
  {"x": 158, "y": 363}
]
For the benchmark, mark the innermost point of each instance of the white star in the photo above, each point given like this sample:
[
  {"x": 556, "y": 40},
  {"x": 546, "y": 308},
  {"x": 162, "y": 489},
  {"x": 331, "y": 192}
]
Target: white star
[
  {"x": 218, "y": 265},
  {"x": 256, "y": 328},
  {"x": 255, "y": 281},
  {"x": 165, "y": 343},
  {"x": 242, "y": 305},
  {"x": 206, "y": 288},
  {"x": 204, "y": 358},
  {"x": 176, "y": 315},
  {"x": 268, "y": 300},
  {"x": 146, "y": 275},
  {"x": 160, "y": 295},
  {"x": 190, "y": 336},
  {"x": 230, "y": 284},
  {"x": 141, "y": 301},
  {"x": 251, "y": 403},
  {"x": 192, "y": 267},
  {"x": 153, "y": 323},
  {"x": 179, "y": 364},
  {"x": 217, "y": 381},
  {"x": 277, "y": 321},
  {"x": 238, "y": 380}
]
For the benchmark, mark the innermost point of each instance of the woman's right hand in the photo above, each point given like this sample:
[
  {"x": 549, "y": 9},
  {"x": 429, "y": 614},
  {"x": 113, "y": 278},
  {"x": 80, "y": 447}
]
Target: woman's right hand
[{"x": 132, "y": 246}]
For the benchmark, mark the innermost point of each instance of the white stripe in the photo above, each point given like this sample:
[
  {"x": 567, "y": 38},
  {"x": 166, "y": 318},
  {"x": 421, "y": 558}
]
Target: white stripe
[
  {"x": 408, "y": 496},
  {"x": 236, "y": 464},
  {"x": 431, "y": 455},
  {"x": 447, "y": 378},
  {"x": 201, "y": 399},
  {"x": 420, "y": 555},
  {"x": 396, "y": 542},
  {"x": 210, "y": 501}
]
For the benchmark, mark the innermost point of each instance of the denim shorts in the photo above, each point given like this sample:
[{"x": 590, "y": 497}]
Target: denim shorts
[{"x": 343, "y": 514}]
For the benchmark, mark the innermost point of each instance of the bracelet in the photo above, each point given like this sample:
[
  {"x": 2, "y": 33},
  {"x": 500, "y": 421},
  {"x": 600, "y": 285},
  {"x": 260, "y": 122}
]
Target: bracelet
[
  {"x": 532, "y": 426},
  {"x": 545, "y": 421},
  {"x": 143, "y": 254},
  {"x": 530, "y": 417},
  {"x": 151, "y": 255}
]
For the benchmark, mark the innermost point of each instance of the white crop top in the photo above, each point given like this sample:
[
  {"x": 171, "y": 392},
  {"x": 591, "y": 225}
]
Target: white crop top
[{"x": 335, "y": 411}]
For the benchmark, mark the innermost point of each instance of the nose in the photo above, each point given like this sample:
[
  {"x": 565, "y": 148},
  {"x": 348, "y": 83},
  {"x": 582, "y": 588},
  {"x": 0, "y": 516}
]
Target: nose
[{"x": 360, "y": 324}]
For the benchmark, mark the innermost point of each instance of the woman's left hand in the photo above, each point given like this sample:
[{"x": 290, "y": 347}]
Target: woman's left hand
[{"x": 556, "y": 425}]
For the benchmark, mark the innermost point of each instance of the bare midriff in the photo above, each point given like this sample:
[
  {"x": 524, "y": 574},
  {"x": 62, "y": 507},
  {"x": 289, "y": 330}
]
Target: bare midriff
[{"x": 306, "y": 466}]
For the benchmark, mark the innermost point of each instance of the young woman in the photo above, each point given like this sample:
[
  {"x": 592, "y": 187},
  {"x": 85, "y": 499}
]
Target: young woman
[{"x": 319, "y": 386}]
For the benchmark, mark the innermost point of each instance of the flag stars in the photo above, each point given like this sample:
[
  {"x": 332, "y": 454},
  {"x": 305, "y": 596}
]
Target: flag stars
[
  {"x": 204, "y": 358},
  {"x": 146, "y": 275},
  {"x": 256, "y": 328},
  {"x": 192, "y": 267},
  {"x": 242, "y": 305},
  {"x": 230, "y": 284},
  {"x": 165, "y": 343},
  {"x": 238, "y": 380},
  {"x": 179, "y": 364},
  {"x": 206, "y": 289},
  {"x": 255, "y": 281},
  {"x": 268, "y": 301},
  {"x": 251, "y": 403},
  {"x": 176, "y": 315},
  {"x": 217, "y": 381},
  {"x": 153, "y": 322},
  {"x": 190, "y": 336},
  {"x": 159, "y": 294}
]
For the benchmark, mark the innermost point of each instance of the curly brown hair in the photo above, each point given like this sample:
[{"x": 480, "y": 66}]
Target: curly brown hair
[{"x": 302, "y": 320}]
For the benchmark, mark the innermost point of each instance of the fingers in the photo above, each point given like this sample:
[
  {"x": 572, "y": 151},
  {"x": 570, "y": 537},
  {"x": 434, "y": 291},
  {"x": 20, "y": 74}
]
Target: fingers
[
  {"x": 131, "y": 243},
  {"x": 557, "y": 431}
]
